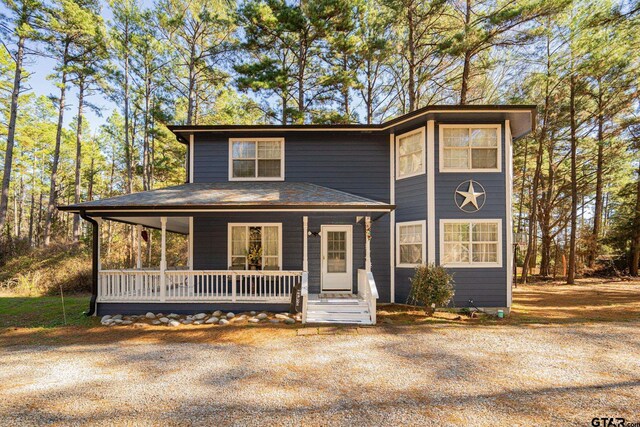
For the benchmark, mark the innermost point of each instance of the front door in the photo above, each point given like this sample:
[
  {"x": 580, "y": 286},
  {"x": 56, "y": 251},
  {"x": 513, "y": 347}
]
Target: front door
[{"x": 337, "y": 253}]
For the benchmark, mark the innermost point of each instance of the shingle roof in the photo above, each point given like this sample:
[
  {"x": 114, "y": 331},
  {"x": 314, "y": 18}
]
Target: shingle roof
[{"x": 235, "y": 195}]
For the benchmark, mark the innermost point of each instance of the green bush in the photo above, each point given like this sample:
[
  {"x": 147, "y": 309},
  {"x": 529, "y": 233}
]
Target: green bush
[{"x": 431, "y": 284}]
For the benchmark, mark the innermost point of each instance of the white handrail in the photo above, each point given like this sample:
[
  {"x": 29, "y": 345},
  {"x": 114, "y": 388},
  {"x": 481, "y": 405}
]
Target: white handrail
[
  {"x": 304, "y": 292},
  {"x": 368, "y": 291}
]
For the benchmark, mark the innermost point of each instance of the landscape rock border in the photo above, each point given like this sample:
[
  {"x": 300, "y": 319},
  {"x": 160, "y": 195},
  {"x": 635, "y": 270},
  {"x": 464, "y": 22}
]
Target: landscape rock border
[{"x": 216, "y": 318}]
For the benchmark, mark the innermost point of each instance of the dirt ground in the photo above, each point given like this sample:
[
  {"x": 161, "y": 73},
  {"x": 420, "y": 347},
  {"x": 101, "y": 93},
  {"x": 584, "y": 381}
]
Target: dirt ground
[{"x": 563, "y": 357}]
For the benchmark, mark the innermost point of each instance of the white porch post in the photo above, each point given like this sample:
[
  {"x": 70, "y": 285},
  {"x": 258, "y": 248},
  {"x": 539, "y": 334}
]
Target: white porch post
[
  {"x": 163, "y": 259},
  {"x": 367, "y": 237},
  {"x": 305, "y": 250},
  {"x": 190, "y": 249},
  {"x": 139, "y": 254},
  {"x": 190, "y": 254}
]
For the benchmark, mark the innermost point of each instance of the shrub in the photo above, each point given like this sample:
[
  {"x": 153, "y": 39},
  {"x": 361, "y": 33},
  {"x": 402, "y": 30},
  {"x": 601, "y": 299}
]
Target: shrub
[{"x": 431, "y": 284}]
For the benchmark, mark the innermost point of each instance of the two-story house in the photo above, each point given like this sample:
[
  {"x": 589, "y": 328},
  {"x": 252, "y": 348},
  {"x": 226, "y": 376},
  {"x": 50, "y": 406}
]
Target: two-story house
[{"x": 342, "y": 212}]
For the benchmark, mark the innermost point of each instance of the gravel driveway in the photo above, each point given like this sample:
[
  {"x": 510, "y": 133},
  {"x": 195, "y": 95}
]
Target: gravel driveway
[{"x": 449, "y": 375}]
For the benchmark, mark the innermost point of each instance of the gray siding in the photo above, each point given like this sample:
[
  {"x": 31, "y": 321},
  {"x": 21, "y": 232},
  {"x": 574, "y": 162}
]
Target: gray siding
[
  {"x": 183, "y": 308},
  {"x": 486, "y": 286},
  {"x": 411, "y": 205},
  {"x": 355, "y": 163}
]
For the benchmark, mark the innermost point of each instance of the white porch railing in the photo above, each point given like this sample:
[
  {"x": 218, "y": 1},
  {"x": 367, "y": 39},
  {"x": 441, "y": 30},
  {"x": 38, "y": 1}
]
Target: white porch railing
[
  {"x": 368, "y": 291},
  {"x": 197, "y": 286}
]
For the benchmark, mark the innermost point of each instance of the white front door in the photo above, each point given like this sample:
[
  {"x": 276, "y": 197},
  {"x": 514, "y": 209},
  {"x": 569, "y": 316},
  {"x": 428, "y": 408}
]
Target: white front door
[{"x": 337, "y": 254}]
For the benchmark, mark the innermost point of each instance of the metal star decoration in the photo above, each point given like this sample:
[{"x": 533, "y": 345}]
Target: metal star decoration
[{"x": 470, "y": 196}]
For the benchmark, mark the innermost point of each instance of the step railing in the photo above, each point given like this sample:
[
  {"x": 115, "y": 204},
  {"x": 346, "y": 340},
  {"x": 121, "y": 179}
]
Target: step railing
[
  {"x": 368, "y": 292},
  {"x": 197, "y": 285},
  {"x": 304, "y": 293}
]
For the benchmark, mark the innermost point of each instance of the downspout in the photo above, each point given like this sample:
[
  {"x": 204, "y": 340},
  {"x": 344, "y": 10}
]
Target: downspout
[{"x": 94, "y": 265}]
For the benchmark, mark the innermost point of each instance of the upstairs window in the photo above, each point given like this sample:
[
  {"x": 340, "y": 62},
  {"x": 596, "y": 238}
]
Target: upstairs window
[
  {"x": 470, "y": 148},
  {"x": 410, "y": 159},
  {"x": 257, "y": 159}
]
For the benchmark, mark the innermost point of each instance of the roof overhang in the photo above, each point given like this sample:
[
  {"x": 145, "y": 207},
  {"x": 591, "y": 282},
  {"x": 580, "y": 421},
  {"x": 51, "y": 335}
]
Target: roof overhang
[{"x": 521, "y": 117}]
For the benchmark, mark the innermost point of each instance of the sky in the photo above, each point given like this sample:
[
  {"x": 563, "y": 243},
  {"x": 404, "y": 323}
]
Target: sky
[{"x": 40, "y": 67}]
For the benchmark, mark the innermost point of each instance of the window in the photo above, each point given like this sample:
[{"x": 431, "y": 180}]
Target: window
[
  {"x": 465, "y": 148},
  {"x": 255, "y": 246},
  {"x": 258, "y": 159},
  {"x": 474, "y": 243},
  {"x": 410, "y": 159},
  {"x": 411, "y": 241}
]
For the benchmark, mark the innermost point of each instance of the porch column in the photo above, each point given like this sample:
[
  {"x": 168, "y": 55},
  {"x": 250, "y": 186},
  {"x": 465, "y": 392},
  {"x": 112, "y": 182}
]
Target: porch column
[
  {"x": 163, "y": 258},
  {"x": 367, "y": 244},
  {"x": 190, "y": 244},
  {"x": 139, "y": 239},
  {"x": 305, "y": 235},
  {"x": 190, "y": 254}
]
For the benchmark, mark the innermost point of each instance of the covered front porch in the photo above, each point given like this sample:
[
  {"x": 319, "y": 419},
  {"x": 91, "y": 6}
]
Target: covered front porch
[{"x": 303, "y": 255}]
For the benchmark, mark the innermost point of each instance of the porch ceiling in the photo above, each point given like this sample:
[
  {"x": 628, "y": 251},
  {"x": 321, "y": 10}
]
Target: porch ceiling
[
  {"x": 230, "y": 196},
  {"x": 175, "y": 224}
]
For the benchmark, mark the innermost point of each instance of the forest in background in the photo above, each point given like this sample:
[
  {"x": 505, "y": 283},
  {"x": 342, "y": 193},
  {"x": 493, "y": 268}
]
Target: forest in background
[{"x": 576, "y": 178}]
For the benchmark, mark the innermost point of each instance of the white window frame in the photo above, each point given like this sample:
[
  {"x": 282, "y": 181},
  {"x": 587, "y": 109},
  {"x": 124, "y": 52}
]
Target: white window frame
[
  {"x": 471, "y": 264},
  {"x": 422, "y": 171},
  {"x": 422, "y": 223},
  {"x": 247, "y": 225},
  {"x": 441, "y": 129},
  {"x": 256, "y": 178}
]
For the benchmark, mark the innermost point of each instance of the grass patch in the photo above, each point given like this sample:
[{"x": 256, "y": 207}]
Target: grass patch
[
  {"x": 43, "y": 271},
  {"x": 43, "y": 312}
]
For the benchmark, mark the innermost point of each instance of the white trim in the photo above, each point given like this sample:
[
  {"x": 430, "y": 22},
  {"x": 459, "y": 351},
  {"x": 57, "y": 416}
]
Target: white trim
[
  {"x": 372, "y": 128},
  {"x": 109, "y": 211},
  {"x": 191, "y": 235},
  {"x": 472, "y": 264},
  {"x": 230, "y": 225},
  {"x": 420, "y": 131},
  {"x": 392, "y": 218},
  {"x": 256, "y": 178},
  {"x": 163, "y": 258},
  {"x": 341, "y": 227},
  {"x": 367, "y": 244},
  {"x": 442, "y": 169},
  {"x": 509, "y": 193},
  {"x": 192, "y": 146},
  {"x": 431, "y": 192},
  {"x": 423, "y": 225},
  {"x": 139, "y": 246},
  {"x": 305, "y": 243}
]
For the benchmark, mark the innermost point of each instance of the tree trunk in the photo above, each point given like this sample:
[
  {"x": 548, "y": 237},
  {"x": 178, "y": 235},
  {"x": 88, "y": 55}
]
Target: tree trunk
[
  {"x": 76, "y": 217},
  {"x": 145, "y": 144},
  {"x": 127, "y": 143},
  {"x": 635, "y": 243},
  {"x": 411, "y": 84},
  {"x": 466, "y": 67},
  {"x": 11, "y": 134},
  {"x": 597, "y": 214},
  {"x": 571, "y": 274},
  {"x": 51, "y": 206}
]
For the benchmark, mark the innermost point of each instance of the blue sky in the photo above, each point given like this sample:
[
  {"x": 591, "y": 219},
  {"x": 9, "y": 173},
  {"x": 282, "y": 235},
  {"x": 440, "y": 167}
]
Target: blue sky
[{"x": 40, "y": 67}]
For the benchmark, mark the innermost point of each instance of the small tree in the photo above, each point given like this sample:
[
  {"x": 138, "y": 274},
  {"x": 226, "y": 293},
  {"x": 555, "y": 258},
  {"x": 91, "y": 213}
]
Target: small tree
[{"x": 431, "y": 284}]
